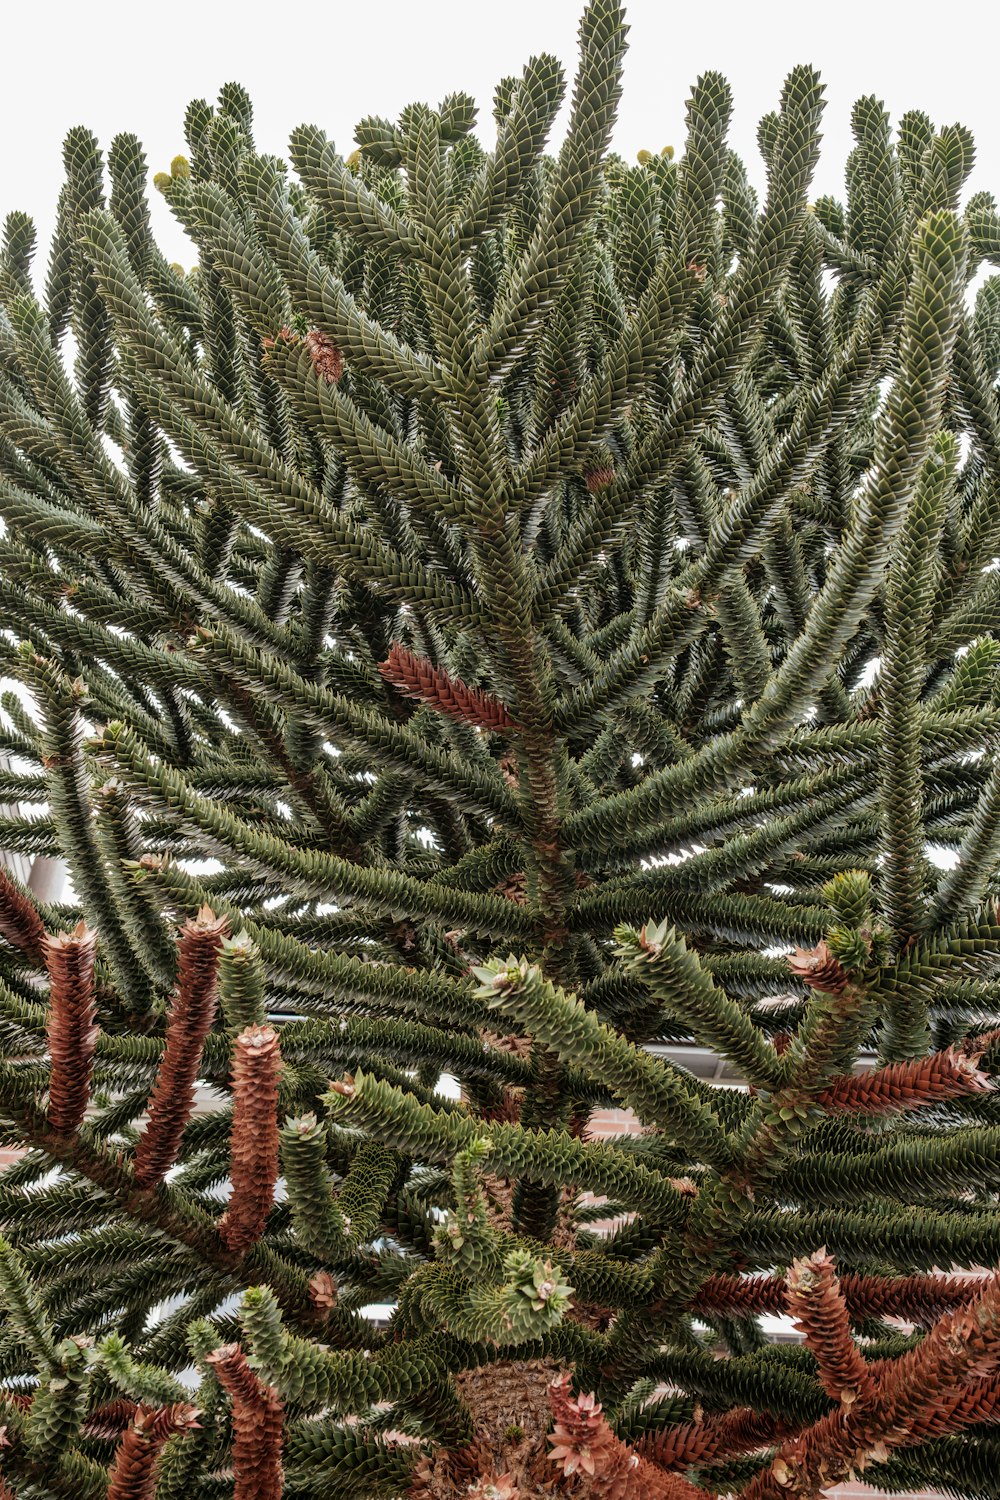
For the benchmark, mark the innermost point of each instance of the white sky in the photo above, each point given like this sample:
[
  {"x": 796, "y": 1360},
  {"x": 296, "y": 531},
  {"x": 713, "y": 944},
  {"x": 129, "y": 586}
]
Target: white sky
[{"x": 133, "y": 66}]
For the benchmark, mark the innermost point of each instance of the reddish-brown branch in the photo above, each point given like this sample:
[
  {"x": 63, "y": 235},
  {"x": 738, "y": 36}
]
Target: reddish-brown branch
[
  {"x": 253, "y": 1168},
  {"x": 906, "y": 1085},
  {"x": 817, "y": 1305},
  {"x": 599, "y": 478},
  {"x": 188, "y": 1025},
  {"x": 819, "y": 969},
  {"x": 418, "y": 678},
  {"x": 258, "y": 1422},
  {"x": 975, "y": 1403},
  {"x": 327, "y": 359},
  {"x": 918, "y": 1299},
  {"x": 978, "y": 1403},
  {"x": 20, "y": 923},
  {"x": 133, "y": 1473},
  {"x": 596, "y": 1462},
  {"x": 712, "y": 1440},
  {"x": 739, "y": 1296},
  {"x": 936, "y": 1388},
  {"x": 71, "y": 1024},
  {"x": 6, "y": 1493},
  {"x": 961, "y": 1350},
  {"x": 109, "y": 1420}
]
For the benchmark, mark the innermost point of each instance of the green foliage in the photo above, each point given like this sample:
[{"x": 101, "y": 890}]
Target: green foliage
[{"x": 700, "y": 495}]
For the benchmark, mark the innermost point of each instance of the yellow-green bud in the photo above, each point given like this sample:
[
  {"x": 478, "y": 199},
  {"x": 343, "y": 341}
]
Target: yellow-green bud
[
  {"x": 180, "y": 167},
  {"x": 354, "y": 160},
  {"x": 810, "y": 208},
  {"x": 668, "y": 152},
  {"x": 177, "y": 268},
  {"x": 644, "y": 158},
  {"x": 162, "y": 181}
]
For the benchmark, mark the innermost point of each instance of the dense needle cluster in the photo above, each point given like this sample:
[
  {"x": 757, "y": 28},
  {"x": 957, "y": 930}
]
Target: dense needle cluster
[{"x": 501, "y": 627}]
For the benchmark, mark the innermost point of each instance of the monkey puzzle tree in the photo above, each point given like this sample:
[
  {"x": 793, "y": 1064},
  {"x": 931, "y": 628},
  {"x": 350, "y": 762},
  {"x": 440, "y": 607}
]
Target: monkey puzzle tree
[{"x": 500, "y": 612}]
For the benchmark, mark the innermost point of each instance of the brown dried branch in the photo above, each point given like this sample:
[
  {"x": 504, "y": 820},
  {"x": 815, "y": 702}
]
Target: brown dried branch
[
  {"x": 965, "y": 1408},
  {"x": 817, "y": 1305},
  {"x": 258, "y": 1425},
  {"x": 323, "y": 1291},
  {"x": 327, "y": 359},
  {"x": 906, "y": 1085},
  {"x": 509, "y": 1394},
  {"x": 599, "y": 478},
  {"x": 70, "y": 1024},
  {"x": 418, "y": 678},
  {"x": 977, "y": 1044},
  {"x": 493, "y": 1487},
  {"x": 20, "y": 923},
  {"x": 934, "y": 1389},
  {"x": 109, "y": 1420},
  {"x": 961, "y": 1350},
  {"x": 133, "y": 1473},
  {"x": 188, "y": 1025},
  {"x": 598, "y": 1463},
  {"x": 458, "y": 1473},
  {"x": 919, "y": 1299},
  {"x": 819, "y": 969},
  {"x": 712, "y": 1440},
  {"x": 254, "y": 1137}
]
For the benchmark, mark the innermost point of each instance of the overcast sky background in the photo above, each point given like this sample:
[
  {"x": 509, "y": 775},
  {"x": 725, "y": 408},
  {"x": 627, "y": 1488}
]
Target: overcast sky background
[{"x": 118, "y": 66}]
